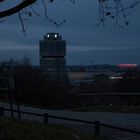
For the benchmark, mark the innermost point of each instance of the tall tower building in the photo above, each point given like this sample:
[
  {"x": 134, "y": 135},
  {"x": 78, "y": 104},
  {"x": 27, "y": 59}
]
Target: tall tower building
[{"x": 53, "y": 57}]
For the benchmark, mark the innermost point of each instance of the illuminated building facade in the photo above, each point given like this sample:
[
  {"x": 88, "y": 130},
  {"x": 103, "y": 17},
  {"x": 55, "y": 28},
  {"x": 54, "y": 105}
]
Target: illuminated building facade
[{"x": 53, "y": 57}]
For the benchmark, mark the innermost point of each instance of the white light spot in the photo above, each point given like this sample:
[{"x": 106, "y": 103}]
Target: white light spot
[
  {"x": 48, "y": 35},
  {"x": 55, "y": 35}
]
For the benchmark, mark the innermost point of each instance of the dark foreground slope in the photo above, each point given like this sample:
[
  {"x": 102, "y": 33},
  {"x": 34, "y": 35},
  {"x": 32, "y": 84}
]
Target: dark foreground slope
[{"x": 24, "y": 130}]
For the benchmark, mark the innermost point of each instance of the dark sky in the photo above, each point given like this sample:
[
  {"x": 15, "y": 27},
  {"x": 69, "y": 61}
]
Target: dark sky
[{"x": 86, "y": 42}]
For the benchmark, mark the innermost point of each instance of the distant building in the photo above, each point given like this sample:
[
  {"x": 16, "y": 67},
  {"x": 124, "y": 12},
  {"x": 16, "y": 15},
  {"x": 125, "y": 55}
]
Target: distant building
[
  {"x": 100, "y": 72},
  {"x": 53, "y": 57}
]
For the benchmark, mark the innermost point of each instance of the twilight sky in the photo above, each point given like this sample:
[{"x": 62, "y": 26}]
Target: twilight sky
[{"x": 86, "y": 42}]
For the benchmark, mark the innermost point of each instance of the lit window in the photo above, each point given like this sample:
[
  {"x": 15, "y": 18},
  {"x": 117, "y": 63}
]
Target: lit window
[
  {"x": 55, "y": 35},
  {"x": 48, "y": 35}
]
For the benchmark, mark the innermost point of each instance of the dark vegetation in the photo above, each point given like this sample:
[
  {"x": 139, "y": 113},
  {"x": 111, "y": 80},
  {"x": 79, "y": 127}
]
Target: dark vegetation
[
  {"x": 121, "y": 92},
  {"x": 103, "y": 84},
  {"x": 12, "y": 129},
  {"x": 34, "y": 88}
]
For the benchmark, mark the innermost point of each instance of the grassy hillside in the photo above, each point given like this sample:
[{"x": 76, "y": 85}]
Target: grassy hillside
[{"x": 24, "y": 130}]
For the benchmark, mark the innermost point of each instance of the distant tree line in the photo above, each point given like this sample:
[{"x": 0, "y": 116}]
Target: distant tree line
[
  {"x": 34, "y": 88},
  {"x": 125, "y": 90},
  {"x": 130, "y": 82}
]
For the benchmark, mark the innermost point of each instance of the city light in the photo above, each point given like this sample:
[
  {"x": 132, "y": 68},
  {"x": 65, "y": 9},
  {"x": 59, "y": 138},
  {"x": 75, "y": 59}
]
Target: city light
[
  {"x": 48, "y": 35},
  {"x": 127, "y": 65},
  {"x": 55, "y": 35}
]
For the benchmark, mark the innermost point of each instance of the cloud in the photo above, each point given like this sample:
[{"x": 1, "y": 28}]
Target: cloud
[
  {"x": 85, "y": 49},
  {"x": 13, "y": 48}
]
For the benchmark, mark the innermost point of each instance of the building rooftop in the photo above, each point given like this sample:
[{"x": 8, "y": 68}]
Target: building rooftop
[{"x": 52, "y": 36}]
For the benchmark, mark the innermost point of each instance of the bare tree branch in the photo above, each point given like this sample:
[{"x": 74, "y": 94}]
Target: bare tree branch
[
  {"x": 2, "y": 0},
  {"x": 115, "y": 10},
  {"x": 22, "y": 24},
  {"x": 17, "y": 8}
]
